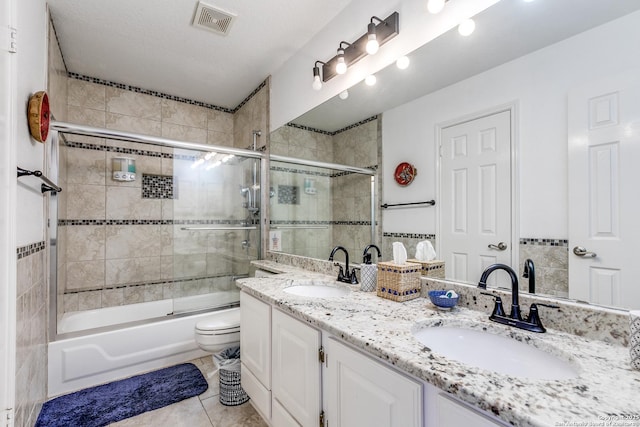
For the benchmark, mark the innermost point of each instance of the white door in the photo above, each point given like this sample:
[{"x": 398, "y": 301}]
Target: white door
[
  {"x": 364, "y": 393},
  {"x": 296, "y": 368},
  {"x": 604, "y": 207},
  {"x": 475, "y": 208}
]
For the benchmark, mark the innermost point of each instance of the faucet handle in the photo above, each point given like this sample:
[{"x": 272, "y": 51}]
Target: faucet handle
[
  {"x": 498, "y": 309},
  {"x": 340, "y": 273},
  {"x": 354, "y": 278}
]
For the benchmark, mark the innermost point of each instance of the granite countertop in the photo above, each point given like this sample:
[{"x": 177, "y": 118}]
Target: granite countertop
[{"x": 606, "y": 387}]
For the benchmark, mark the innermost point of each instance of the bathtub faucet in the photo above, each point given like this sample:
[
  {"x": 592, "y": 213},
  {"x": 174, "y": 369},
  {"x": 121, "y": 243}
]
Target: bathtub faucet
[{"x": 345, "y": 275}]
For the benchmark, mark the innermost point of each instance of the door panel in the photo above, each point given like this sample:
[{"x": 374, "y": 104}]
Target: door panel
[
  {"x": 604, "y": 153},
  {"x": 476, "y": 197}
]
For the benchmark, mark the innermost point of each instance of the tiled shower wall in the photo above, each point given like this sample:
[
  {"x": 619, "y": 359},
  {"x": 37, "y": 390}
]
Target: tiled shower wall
[
  {"x": 341, "y": 201},
  {"x": 121, "y": 243}
]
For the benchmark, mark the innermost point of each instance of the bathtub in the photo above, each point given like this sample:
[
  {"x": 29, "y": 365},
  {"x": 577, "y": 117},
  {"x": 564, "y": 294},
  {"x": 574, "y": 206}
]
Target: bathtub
[{"x": 99, "y": 346}]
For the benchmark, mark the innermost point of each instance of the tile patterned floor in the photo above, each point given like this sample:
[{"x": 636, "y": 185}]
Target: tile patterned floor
[{"x": 200, "y": 411}]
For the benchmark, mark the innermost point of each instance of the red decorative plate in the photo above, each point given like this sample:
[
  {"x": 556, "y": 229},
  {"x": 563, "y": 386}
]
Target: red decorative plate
[
  {"x": 38, "y": 116},
  {"x": 405, "y": 173}
]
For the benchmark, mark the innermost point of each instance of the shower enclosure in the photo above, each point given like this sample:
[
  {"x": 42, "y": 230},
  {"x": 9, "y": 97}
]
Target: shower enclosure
[{"x": 176, "y": 229}]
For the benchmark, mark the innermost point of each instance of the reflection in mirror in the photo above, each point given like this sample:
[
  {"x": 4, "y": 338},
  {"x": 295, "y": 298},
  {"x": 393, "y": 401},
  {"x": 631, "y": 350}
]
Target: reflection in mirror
[
  {"x": 314, "y": 209},
  {"x": 538, "y": 56}
]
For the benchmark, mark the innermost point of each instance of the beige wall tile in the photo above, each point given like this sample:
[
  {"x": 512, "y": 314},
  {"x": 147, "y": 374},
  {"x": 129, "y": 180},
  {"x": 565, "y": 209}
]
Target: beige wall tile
[
  {"x": 220, "y": 121},
  {"x": 127, "y": 203},
  {"x": 133, "y": 294},
  {"x": 86, "y": 116},
  {"x": 86, "y": 94},
  {"x": 88, "y": 201},
  {"x": 180, "y": 113},
  {"x": 84, "y": 242},
  {"x": 133, "y": 124},
  {"x": 85, "y": 275},
  {"x": 132, "y": 270},
  {"x": 112, "y": 297},
  {"x": 132, "y": 241},
  {"x": 133, "y": 104},
  {"x": 85, "y": 166},
  {"x": 184, "y": 133},
  {"x": 220, "y": 138},
  {"x": 89, "y": 300}
]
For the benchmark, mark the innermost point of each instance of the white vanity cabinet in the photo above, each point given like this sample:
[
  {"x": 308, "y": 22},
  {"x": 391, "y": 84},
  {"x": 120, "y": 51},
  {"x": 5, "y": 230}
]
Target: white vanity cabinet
[
  {"x": 443, "y": 410},
  {"x": 362, "y": 392}
]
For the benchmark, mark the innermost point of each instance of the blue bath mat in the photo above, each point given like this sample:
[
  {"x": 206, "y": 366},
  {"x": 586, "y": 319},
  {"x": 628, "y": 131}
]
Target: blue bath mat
[{"x": 108, "y": 403}]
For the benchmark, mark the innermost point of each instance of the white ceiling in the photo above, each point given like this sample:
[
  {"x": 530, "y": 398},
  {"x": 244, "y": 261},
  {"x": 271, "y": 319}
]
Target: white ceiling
[
  {"x": 505, "y": 31},
  {"x": 151, "y": 43}
]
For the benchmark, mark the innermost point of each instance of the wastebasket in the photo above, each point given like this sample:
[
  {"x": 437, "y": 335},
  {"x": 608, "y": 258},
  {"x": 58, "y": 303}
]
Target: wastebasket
[{"x": 231, "y": 392}]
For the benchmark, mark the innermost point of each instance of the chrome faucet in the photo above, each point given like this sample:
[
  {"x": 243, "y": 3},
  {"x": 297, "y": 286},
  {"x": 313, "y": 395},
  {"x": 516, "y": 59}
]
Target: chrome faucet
[
  {"x": 530, "y": 273},
  {"x": 345, "y": 275},
  {"x": 532, "y": 323}
]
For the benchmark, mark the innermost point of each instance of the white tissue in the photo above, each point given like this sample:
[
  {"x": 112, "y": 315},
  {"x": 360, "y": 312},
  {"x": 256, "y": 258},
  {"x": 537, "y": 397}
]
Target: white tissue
[
  {"x": 399, "y": 253},
  {"x": 425, "y": 251}
]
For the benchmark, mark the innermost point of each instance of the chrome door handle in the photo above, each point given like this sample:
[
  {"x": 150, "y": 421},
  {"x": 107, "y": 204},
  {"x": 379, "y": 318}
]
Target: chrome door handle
[
  {"x": 582, "y": 252},
  {"x": 500, "y": 246}
]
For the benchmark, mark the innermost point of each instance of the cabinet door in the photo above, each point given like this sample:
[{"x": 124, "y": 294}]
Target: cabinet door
[
  {"x": 255, "y": 337},
  {"x": 364, "y": 393},
  {"x": 281, "y": 418},
  {"x": 296, "y": 368},
  {"x": 454, "y": 414}
]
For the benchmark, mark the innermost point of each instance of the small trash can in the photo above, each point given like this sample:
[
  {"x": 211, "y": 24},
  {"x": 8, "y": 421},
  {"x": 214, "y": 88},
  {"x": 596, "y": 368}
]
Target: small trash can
[{"x": 231, "y": 392}]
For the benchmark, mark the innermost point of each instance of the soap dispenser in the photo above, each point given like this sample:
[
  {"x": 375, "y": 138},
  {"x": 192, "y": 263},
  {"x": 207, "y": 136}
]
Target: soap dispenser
[{"x": 368, "y": 271}]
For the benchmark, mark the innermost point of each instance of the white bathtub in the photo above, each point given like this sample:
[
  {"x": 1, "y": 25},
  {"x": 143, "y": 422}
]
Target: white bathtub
[{"x": 115, "y": 352}]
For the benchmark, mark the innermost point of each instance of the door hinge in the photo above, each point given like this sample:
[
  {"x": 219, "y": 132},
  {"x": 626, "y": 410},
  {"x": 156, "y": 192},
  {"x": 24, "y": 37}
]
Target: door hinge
[
  {"x": 7, "y": 417},
  {"x": 13, "y": 40},
  {"x": 321, "y": 355},
  {"x": 322, "y": 419}
]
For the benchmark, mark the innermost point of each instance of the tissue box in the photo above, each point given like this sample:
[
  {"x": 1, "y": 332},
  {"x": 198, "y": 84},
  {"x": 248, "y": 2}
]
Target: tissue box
[
  {"x": 398, "y": 282},
  {"x": 433, "y": 269}
]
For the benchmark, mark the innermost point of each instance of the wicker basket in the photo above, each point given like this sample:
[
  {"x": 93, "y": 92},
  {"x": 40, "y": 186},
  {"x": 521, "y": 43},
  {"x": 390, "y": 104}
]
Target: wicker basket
[
  {"x": 434, "y": 269},
  {"x": 398, "y": 282}
]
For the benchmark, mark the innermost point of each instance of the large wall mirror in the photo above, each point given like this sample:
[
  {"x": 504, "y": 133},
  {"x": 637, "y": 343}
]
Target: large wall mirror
[{"x": 566, "y": 74}]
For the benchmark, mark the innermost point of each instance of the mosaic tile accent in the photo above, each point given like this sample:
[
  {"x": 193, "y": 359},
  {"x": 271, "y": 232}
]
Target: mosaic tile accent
[
  {"x": 25, "y": 251},
  {"x": 98, "y": 147},
  {"x": 324, "y": 132},
  {"x": 301, "y": 222},
  {"x": 159, "y": 187},
  {"x": 409, "y": 235},
  {"x": 544, "y": 242},
  {"x": 72, "y": 222},
  {"x": 288, "y": 194},
  {"x": 164, "y": 95},
  {"x": 317, "y": 173}
]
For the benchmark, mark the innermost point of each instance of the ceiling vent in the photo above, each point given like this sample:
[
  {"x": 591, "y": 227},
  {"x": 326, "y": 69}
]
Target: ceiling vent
[{"x": 212, "y": 19}]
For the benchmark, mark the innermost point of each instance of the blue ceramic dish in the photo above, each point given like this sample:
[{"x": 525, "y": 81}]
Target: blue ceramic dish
[{"x": 439, "y": 300}]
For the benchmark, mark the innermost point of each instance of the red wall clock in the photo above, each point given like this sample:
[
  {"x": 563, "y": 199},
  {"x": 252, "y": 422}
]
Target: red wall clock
[
  {"x": 405, "y": 173},
  {"x": 38, "y": 114}
]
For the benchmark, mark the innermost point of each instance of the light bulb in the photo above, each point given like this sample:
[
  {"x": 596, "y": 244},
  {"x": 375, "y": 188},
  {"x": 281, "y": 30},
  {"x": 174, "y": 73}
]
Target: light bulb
[
  {"x": 344, "y": 94},
  {"x": 402, "y": 62},
  {"x": 372, "y": 44},
  {"x": 370, "y": 80},
  {"x": 317, "y": 83},
  {"x": 435, "y": 6},
  {"x": 466, "y": 27},
  {"x": 341, "y": 66}
]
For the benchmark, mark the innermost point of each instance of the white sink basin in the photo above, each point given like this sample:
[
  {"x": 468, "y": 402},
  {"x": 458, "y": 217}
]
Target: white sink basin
[
  {"x": 496, "y": 353},
  {"x": 317, "y": 289}
]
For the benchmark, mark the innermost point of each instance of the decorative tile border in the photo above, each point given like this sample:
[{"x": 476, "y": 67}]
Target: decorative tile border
[
  {"x": 288, "y": 195},
  {"x": 409, "y": 235},
  {"x": 545, "y": 242},
  {"x": 301, "y": 222},
  {"x": 123, "y": 150},
  {"x": 25, "y": 251},
  {"x": 164, "y": 95},
  {"x": 316, "y": 173},
  {"x": 73, "y": 222},
  {"x": 159, "y": 187},
  {"x": 325, "y": 132}
]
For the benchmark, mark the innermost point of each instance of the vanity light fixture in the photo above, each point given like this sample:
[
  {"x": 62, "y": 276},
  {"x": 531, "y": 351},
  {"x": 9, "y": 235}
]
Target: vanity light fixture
[
  {"x": 435, "y": 6},
  {"x": 341, "y": 65},
  {"x": 317, "y": 82},
  {"x": 372, "y": 39},
  {"x": 370, "y": 80},
  {"x": 350, "y": 53},
  {"x": 467, "y": 27},
  {"x": 403, "y": 62}
]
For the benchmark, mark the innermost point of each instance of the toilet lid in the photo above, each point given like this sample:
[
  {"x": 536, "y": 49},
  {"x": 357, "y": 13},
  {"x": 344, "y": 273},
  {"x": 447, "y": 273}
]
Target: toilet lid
[{"x": 220, "y": 322}]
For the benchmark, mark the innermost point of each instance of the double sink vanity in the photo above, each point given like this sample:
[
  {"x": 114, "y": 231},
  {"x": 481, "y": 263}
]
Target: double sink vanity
[{"x": 319, "y": 352}]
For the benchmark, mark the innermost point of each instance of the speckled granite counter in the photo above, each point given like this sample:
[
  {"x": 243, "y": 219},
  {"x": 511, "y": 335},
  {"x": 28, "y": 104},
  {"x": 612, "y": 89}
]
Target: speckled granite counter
[{"x": 606, "y": 385}]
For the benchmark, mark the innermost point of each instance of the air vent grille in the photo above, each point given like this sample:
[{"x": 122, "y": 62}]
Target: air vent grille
[{"x": 213, "y": 19}]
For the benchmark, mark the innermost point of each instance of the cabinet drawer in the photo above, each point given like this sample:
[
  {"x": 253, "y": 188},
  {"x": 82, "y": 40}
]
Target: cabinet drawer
[{"x": 260, "y": 396}]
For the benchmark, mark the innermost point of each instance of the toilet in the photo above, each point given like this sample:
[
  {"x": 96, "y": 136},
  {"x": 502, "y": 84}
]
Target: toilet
[{"x": 219, "y": 330}]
